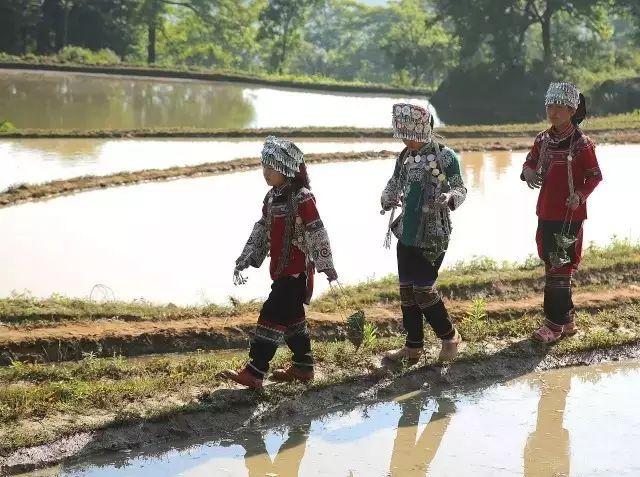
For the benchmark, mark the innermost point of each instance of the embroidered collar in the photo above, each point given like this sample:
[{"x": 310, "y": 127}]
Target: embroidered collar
[
  {"x": 282, "y": 190},
  {"x": 562, "y": 135}
]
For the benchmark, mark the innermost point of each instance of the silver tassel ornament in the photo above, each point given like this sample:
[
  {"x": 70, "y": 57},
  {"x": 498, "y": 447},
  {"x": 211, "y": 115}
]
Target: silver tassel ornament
[{"x": 387, "y": 238}]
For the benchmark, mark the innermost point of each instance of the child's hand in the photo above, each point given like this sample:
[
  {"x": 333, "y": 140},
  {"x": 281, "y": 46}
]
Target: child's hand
[
  {"x": 443, "y": 200},
  {"x": 331, "y": 274},
  {"x": 573, "y": 202},
  {"x": 533, "y": 179},
  {"x": 390, "y": 203},
  {"x": 238, "y": 278}
]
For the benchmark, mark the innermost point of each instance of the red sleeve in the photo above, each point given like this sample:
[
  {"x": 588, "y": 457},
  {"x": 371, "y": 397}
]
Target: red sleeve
[
  {"x": 591, "y": 171},
  {"x": 532, "y": 158},
  {"x": 531, "y": 162},
  {"x": 307, "y": 210}
]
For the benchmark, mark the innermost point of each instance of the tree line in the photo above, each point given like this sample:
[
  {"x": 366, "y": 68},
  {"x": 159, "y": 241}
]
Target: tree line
[{"x": 406, "y": 42}]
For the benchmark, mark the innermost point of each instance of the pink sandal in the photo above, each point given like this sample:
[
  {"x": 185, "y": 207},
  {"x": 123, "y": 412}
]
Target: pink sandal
[
  {"x": 545, "y": 334},
  {"x": 569, "y": 329}
]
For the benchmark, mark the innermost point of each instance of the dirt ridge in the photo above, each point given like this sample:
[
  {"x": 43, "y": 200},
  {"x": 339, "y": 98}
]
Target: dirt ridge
[{"x": 108, "y": 337}]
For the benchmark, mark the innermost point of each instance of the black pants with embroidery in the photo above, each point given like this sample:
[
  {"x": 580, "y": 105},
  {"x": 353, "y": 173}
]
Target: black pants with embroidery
[
  {"x": 282, "y": 316},
  {"x": 558, "y": 302},
  {"x": 419, "y": 296}
]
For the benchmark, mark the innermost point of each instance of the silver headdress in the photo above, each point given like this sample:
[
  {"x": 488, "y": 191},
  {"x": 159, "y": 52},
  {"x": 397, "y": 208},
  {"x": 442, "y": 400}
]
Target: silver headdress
[
  {"x": 282, "y": 156},
  {"x": 566, "y": 94},
  {"x": 411, "y": 122}
]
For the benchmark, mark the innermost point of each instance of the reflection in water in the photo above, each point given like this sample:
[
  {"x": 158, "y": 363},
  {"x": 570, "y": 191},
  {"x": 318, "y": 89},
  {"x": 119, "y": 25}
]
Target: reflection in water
[
  {"x": 288, "y": 458},
  {"x": 411, "y": 456},
  {"x": 41, "y": 160},
  {"x": 177, "y": 241},
  {"x": 478, "y": 432},
  {"x": 548, "y": 449},
  {"x": 48, "y": 100}
]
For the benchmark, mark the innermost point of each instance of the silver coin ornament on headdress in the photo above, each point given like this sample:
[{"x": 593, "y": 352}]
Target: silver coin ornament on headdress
[
  {"x": 411, "y": 122},
  {"x": 282, "y": 156},
  {"x": 565, "y": 94}
]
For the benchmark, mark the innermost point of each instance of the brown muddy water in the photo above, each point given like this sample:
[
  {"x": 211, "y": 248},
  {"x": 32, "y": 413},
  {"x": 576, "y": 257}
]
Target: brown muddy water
[
  {"x": 570, "y": 422},
  {"x": 177, "y": 241},
  {"x": 51, "y": 100},
  {"x": 33, "y": 161}
]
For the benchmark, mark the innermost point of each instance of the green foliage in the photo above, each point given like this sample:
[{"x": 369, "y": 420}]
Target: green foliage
[
  {"x": 281, "y": 23},
  {"x": 227, "y": 38},
  {"x": 417, "y": 44},
  {"x": 79, "y": 55},
  {"x": 475, "y": 318},
  {"x": 502, "y": 47},
  {"x": 6, "y": 126},
  {"x": 369, "y": 335}
]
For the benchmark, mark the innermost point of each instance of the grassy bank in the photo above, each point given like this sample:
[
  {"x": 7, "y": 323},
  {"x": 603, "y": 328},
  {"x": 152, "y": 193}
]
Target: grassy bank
[
  {"x": 317, "y": 83},
  {"x": 61, "y": 329},
  {"x": 600, "y": 125},
  {"x": 609, "y": 265}
]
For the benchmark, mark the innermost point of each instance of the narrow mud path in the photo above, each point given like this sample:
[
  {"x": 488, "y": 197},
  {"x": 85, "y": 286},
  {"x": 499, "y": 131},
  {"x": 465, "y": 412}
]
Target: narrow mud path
[{"x": 106, "y": 337}]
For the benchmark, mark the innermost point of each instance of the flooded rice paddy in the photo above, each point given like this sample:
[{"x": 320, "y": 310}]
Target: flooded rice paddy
[
  {"x": 177, "y": 241},
  {"x": 33, "y": 161},
  {"x": 50, "y": 100}
]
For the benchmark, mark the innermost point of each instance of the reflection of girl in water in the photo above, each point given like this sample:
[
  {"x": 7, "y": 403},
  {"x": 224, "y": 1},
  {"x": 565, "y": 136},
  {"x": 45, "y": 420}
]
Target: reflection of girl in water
[
  {"x": 287, "y": 461},
  {"x": 548, "y": 448},
  {"x": 411, "y": 457}
]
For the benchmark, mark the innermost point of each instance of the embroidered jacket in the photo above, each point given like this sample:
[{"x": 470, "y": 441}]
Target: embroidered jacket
[
  {"x": 415, "y": 183},
  {"x": 291, "y": 231},
  {"x": 548, "y": 156}
]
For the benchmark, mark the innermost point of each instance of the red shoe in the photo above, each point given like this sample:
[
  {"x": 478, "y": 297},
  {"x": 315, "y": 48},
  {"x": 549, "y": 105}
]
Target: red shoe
[
  {"x": 292, "y": 373},
  {"x": 245, "y": 378}
]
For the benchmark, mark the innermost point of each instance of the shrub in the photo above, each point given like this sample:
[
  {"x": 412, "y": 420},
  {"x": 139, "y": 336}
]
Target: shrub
[
  {"x": 6, "y": 126},
  {"x": 77, "y": 54}
]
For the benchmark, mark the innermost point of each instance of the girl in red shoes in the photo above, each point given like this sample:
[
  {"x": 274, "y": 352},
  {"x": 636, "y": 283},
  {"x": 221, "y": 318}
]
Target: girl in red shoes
[{"x": 291, "y": 231}]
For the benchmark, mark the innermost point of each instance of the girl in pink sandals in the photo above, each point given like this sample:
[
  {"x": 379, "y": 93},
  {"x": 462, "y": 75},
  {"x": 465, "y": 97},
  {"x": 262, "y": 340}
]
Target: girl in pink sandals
[{"x": 563, "y": 165}]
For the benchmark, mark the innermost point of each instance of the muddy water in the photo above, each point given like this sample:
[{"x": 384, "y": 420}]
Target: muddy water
[
  {"x": 49, "y": 100},
  {"x": 34, "y": 161},
  {"x": 570, "y": 422},
  {"x": 177, "y": 241}
]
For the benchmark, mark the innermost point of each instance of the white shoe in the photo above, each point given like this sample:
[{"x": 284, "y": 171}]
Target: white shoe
[{"x": 449, "y": 349}]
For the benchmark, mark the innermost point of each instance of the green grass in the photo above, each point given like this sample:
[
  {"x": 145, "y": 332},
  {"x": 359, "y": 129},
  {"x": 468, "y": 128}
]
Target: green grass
[
  {"x": 22, "y": 307},
  {"x": 476, "y": 277},
  {"x": 614, "y": 122},
  {"x": 6, "y": 126},
  {"x": 479, "y": 276}
]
